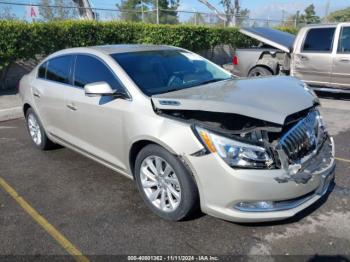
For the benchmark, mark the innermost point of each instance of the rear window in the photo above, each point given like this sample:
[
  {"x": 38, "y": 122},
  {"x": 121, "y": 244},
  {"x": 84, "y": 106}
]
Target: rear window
[
  {"x": 319, "y": 40},
  {"x": 58, "y": 69},
  {"x": 344, "y": 41},
  {"x": 42, "y": 71}
]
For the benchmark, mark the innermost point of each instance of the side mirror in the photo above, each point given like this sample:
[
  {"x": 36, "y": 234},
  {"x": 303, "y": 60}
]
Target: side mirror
[{"x": 99, "y": 89}]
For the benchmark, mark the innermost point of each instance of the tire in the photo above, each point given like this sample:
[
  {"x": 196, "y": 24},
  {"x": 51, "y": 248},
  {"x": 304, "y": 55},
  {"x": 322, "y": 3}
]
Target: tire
[
  {"x": 179, "y": 205},
  {"x": 37, "y": 132},
  {"x": 259, "y": 71}
]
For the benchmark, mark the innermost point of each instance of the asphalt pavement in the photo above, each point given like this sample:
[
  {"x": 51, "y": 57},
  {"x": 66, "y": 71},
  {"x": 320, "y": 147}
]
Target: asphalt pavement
[{"x": 101, "y": 213}]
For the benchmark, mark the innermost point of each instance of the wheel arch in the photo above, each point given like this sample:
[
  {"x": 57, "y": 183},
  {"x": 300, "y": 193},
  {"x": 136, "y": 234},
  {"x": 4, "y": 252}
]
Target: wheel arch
[
  {"x": 138, "y": 145},
  {"x": 25, "y": 108}
]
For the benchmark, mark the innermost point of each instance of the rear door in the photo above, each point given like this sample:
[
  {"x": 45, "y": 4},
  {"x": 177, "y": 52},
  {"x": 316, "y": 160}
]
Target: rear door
[
  {"x": 49, "y": 93},
  {"x": 312, "y": 60},
  {"x": 341, "y": 60}
]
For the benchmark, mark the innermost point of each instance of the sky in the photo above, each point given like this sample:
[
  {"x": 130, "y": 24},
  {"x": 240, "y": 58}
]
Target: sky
[
  {"x": 258, "y": 8},
  {"x": 265, "y": 9}
]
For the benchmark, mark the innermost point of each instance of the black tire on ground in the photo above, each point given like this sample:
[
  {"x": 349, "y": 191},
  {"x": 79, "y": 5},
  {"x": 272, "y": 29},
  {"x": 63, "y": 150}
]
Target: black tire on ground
[
  {"x": 259, "y": 71},
  {"x": 45, "y": 143},
  {"x": 189, "y": 203}
]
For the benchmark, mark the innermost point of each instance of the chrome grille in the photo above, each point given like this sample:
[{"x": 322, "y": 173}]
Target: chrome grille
[{"x": 302, "y": 138}]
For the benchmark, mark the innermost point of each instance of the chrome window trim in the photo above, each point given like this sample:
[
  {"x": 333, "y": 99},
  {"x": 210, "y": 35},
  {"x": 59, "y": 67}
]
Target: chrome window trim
[
  {"x": 72, "y": 71},
  {"x": 302, "y": 51}
]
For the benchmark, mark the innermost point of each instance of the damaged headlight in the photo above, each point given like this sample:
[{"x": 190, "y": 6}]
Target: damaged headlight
[{"x": 234, "y": 153}]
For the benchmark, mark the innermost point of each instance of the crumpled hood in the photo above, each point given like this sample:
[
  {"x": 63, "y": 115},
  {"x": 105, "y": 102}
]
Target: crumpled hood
[{"x": 268, "y": 98}]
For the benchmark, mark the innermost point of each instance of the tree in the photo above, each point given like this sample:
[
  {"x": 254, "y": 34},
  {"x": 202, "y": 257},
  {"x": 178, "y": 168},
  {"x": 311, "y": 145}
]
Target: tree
[
  {"x": 230, "y": 10},
  {"x": 196, "y": 19},
  {"x": 340, "y": 15},
  {"x": 54, "y": 10},
  {"x": 243, "y": 16},
  {"x": 169, "y": 16},
  {"x": 46, "y": 11},
  {"x": 133, "y": 9},
  {"x": 6, "y": 14},
  {"x": 310, "y": 16}
]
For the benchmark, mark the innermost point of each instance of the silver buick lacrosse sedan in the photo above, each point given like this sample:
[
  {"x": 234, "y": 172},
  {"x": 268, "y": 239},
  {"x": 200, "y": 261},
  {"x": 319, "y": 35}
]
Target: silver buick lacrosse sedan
[{"x": 190, "y": 135}]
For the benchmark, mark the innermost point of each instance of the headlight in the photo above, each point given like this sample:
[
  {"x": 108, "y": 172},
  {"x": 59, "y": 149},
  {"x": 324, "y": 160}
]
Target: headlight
[{"x": 234, "y": 153}]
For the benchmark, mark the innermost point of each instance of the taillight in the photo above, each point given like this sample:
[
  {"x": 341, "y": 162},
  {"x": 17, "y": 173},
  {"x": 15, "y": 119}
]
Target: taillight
[{"x": 235, "y": 60}]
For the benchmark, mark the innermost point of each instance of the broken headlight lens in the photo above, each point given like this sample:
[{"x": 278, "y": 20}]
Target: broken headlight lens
[{"x": 235, "y": 153}]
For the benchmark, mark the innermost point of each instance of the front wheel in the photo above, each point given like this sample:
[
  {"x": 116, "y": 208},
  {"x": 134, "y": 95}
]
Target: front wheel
[{"x": 165, "y": 184}]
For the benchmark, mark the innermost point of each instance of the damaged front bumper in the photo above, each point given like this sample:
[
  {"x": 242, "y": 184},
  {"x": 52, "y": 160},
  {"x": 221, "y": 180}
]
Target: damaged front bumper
[{"x": 246, "y": 195}]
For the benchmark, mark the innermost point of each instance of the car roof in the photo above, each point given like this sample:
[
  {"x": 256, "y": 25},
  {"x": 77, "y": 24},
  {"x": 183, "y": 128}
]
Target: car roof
[{"x": 125, "y": 48}]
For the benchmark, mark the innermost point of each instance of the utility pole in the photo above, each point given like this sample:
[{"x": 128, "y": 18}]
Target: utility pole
[
  {"x": 297, "y": 19},
  {"x": 142, "y": 13},
  {"x": 236, "y": 12},
  {"x": 326, "y": 12},
  {"x": 157, "y": 12},
  {"x": 85, "y": 10}
]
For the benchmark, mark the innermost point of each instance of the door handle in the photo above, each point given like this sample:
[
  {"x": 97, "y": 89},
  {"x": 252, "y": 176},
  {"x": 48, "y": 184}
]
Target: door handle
[
  {"x": 36, "y": 93},
  {"x": 303, "y": 58},
  {"x": 345, "y": 60},
  {"x": 72, "y": 107}
]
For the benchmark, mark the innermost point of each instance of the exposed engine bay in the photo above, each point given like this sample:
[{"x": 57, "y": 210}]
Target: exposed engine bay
[{"x": 291, "y": 145}]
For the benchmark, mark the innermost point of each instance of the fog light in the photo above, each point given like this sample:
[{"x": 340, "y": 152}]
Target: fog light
[{"x": 255, "y": 206}]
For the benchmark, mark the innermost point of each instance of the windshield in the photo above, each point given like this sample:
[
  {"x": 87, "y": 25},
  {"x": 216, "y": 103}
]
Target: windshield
[{"x": 162, "y": 71}]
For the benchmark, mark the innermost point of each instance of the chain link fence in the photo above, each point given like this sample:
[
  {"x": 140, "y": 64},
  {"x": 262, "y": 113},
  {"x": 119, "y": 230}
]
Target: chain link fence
[{"x": 37, "y": 12}]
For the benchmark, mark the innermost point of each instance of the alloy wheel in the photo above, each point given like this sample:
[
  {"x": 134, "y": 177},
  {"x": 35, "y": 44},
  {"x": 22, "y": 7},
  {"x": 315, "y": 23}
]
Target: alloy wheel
[
  {"x": 160, "y": 183},
  {"x": 34, "y": 129}
]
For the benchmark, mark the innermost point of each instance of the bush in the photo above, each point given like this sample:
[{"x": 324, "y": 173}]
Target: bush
[{"x": 21, "y": 40}]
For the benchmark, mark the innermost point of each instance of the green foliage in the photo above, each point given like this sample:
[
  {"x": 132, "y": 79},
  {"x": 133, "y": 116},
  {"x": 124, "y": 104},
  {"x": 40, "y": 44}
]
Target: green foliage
[
  {"x": 288, "y": 29},
  {"x": 54, "y": 10},
  {"x": 133, "y": 9},
  {"x": 340, "y": 15},
  {"x": 21, "y": 40},
  {"x": 310, "y": 16}
]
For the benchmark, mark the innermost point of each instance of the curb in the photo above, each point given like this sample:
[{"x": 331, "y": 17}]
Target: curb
[{"x": 11, "y": 113}]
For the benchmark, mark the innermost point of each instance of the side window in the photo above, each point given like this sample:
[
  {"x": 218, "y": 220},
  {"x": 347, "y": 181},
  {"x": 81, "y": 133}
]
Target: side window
[
  {"x": 319, "y": 40},
  {"x": 344, "y": 41},
  {"x": 89, "y": 70},
  {"x": 58, "y": 69},
  {"x": 42, "y": 71}
]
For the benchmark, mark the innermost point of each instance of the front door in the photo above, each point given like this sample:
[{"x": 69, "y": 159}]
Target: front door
[
  {"x": 341, "y": 60},
  {"x": 96, "y": 123},
  {"x": 312, "y": 62}
]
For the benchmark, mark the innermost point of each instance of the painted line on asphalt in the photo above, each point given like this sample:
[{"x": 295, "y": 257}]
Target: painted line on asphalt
[
  {"x": 50, "y": 229},
  {"x": 342, "y": 159}
]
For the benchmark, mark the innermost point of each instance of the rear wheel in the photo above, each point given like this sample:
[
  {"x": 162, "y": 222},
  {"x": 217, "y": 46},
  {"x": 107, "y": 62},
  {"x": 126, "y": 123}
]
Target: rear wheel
[
  {"x": 37, "y": 132},
  {"x": 165, "y": 184},
  {"x": 259, "y": 71}
]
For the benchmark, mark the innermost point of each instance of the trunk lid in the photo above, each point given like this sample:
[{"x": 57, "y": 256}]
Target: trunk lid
[
  {"x": 278, "y": 39},
  {"x": 270, "y": 99}
]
